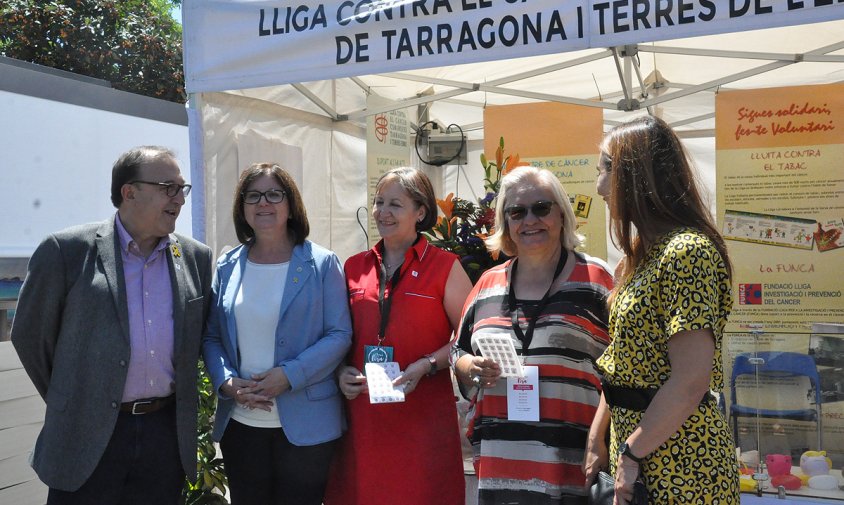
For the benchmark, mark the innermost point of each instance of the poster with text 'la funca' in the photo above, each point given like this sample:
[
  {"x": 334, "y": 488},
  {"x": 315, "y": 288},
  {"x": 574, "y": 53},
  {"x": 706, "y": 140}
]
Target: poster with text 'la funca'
[
  {"x": 780, "y": 208},
  {"x": 780, "y": 177}
]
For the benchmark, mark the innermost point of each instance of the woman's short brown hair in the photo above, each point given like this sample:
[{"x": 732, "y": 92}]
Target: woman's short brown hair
[
  {"x": 297, "y": 222},
  {"x": 417, "y": 185}
]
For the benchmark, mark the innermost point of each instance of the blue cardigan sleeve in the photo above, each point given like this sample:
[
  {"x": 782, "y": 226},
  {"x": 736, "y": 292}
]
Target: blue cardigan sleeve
[
  {"x": 319, "y": 360},
  {"x": 217, "y": 362}
]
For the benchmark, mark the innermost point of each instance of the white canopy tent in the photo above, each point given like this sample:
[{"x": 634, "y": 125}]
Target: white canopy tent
[{"x": 249, "y": 102}]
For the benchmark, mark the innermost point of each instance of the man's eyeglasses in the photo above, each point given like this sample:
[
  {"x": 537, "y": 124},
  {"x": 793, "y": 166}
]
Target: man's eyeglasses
[
  {"x": 171, "y": 188},
  {"x": 271, "y": 195},
  {"x": 518, "y": 212}
]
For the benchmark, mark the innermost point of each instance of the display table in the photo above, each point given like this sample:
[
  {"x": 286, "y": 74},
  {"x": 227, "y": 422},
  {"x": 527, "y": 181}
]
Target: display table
[
  {"x": 798, "y": 496},
  {"x": 767, "y": 499}
]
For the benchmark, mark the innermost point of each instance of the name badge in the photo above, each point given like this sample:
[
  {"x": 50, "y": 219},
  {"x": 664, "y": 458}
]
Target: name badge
[
  {"x": 377, "y": 354},
  {"x": 523, "y": 395}
]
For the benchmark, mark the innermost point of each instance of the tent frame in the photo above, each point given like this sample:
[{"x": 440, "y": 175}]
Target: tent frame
[{"x": 652, "y": 90}]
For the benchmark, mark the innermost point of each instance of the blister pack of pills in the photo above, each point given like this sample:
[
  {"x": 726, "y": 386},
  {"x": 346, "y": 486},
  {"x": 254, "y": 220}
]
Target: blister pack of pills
[
  {"x": 500, "y": 349},
  {"x": 379, "y": 379}
]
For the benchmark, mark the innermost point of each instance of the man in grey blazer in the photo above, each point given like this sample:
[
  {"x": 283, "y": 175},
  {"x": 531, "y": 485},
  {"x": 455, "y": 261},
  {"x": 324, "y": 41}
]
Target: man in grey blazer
[{"x": 108, "y": 327}]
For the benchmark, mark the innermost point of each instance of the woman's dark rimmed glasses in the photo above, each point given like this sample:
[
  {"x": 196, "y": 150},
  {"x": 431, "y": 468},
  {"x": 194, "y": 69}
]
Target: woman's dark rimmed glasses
[
  {"x": 538, "y": 209},
  {"x": 171, "y": 188},
  {"x": 271, "y": 195}
]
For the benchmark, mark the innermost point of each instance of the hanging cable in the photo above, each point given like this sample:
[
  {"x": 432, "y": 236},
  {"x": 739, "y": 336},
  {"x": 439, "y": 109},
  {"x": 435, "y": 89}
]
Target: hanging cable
[
  {"x": 421, "y": 133},
  {"x": 457, "y": 181},
  {"x": 362, "y": 226}
]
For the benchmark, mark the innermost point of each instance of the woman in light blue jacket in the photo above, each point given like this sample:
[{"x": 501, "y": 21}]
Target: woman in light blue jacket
[{"x": 279, "y": 326}]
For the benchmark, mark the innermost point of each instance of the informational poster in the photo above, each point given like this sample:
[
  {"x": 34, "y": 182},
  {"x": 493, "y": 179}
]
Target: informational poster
[
  {"x": 780, "y": 187},
  {"x": 781, "y": 203},
  {"x": 388, "y": 146},
  {"x": 564, "y": 139}
]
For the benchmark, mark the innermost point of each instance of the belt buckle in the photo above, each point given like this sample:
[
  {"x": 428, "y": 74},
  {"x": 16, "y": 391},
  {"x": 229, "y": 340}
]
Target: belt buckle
[{"x": 135, "y": 406}]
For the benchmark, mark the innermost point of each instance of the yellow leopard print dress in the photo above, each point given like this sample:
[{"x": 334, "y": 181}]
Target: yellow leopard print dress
[{"x": 682, "y": 285}]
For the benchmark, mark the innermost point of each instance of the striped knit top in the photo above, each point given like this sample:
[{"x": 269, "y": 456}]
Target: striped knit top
[{"x": 539, "y": 462}]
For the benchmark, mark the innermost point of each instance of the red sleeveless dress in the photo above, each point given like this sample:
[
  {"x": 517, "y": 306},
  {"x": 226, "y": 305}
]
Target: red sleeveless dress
[{"x": 407, "y": 453}]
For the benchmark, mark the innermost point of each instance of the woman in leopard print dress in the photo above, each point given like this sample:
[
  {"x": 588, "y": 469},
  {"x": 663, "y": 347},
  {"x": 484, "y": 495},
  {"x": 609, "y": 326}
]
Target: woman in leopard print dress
[{"x": 667, "y": 317}]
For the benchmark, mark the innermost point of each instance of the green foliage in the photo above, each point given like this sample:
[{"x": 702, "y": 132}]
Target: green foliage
[
  {"x": 133, "y": 44},
  {"x": 210, "y": 487},
  {"x": 463, "y": 230}
]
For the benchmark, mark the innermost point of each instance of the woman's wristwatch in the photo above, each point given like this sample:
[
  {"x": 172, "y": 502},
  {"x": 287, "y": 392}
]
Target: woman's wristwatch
[
  {"x": 624, "y": 450},
  {"x": 433, "y": 362}
]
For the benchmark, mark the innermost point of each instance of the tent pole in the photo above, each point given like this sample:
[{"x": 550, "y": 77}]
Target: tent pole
[
  {"x": 197, "y": 167},
  {"x": 623, "y": 77},
  {"x": 332, "y": 113}
]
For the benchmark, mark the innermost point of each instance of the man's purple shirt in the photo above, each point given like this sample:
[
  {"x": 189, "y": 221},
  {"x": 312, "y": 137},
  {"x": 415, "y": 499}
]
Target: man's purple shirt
[{"x": 149, "y": 296}]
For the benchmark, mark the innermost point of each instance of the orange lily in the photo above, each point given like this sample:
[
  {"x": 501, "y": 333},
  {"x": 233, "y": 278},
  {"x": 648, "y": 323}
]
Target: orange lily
[
  {"x": 451, "y": 224},
  {"x": 447, "y": 205},
  {"x": 499, "y": 156},
  {"x": 513, "y": 161}
]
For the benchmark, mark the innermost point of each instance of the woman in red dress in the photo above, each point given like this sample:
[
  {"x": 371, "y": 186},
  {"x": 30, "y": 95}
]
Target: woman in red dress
[{"x": 405, "y": 297}]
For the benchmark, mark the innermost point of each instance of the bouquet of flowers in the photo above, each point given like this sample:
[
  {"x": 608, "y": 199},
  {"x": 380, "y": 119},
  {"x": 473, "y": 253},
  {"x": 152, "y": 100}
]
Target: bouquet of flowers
[{"x": 465, "y": 225}]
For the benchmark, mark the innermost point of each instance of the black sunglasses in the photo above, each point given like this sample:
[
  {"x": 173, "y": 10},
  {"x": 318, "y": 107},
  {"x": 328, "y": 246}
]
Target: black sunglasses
[
  {"x": 518, "y": 212},
  {"x": 271, "y": 195}
]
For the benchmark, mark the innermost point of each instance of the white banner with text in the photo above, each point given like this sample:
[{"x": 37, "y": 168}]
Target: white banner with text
[{"x": 238, "y": 44}]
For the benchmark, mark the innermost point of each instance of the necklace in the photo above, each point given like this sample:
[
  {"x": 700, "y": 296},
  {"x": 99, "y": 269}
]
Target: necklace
[{"x": 388, "y": 266}]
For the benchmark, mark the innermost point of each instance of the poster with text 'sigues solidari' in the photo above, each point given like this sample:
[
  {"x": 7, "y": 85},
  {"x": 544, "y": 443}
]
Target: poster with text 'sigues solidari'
[{"x": 780, "y": 207}]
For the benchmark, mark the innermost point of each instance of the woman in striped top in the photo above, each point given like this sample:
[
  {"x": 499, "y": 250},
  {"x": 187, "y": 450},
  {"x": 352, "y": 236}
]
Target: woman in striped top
[{"x": 550, "y": 301}]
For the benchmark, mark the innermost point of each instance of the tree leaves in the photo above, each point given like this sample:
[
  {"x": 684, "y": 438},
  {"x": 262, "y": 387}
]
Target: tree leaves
[
  {"x": 133, "y": 44},
  {"x": 211, "y": 483}
]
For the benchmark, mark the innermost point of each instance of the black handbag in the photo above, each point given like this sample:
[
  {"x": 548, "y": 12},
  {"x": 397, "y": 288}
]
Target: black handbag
[{"x": 602, "y": 491}]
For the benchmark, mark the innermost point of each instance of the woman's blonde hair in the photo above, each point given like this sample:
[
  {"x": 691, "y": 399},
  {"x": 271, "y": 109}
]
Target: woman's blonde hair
[{"x": 500, "y": 240}]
